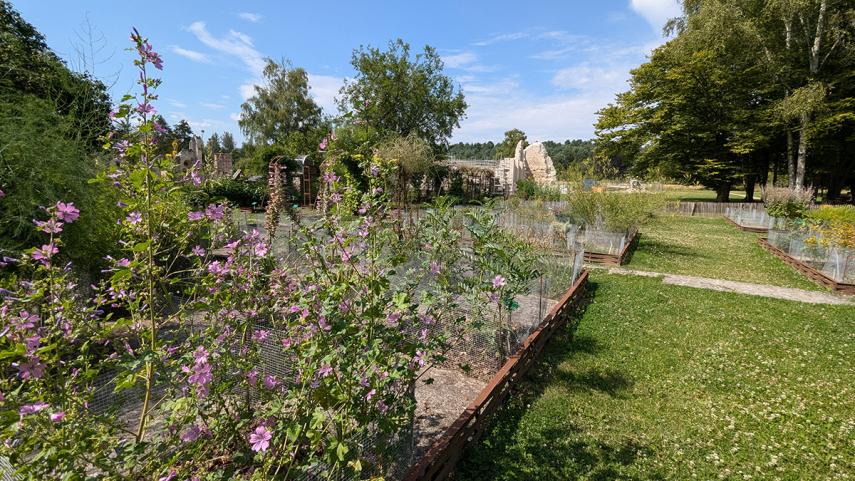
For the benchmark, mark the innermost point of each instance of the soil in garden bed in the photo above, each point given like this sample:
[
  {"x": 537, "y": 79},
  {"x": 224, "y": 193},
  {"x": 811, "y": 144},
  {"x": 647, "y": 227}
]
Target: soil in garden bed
[{"x": 440, "y": 403}]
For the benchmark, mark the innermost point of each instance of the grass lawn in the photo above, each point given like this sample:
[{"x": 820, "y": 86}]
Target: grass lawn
[
  {"x": 670, "y": 382},
  {"x": 710, "y": 247},
  {"x": 699, "y": 194}
]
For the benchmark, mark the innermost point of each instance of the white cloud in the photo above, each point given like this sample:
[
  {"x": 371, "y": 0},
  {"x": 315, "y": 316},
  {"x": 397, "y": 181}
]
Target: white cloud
[
  {"x": 247, "y": 90},
  {"x": 212, "y": 105},
  {"x": 234, "y": 116},
  {"x": 235, "y": 44},
  {"x": 459, "y": 60},
  {"x": 191, "y": 54},
  {"x": 324, "y": 88},
  {"x": 656, "y": 12},
  {"x": 177, "y": 103},
  {"x": 251, "y": 17},
  {"x": 503, "y": 37},
  {"x": 586, "y": 77}
]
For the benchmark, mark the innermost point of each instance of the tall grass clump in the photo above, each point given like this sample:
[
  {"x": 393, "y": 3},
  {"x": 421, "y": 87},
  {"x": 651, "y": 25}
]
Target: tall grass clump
[{"x": 610, "y": 211}]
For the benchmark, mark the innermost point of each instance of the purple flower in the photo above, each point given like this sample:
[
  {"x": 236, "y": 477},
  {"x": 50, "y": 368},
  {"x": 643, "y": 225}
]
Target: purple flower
[
  {"x": 215, "y": 211},
  {"x": 325, "y": 371},
  {"x": 123, "y": 262},
  {"x": 50, "y": 226},
  {"x": 270, "y": 381},
  {"x": 32, "y": 408},
  {"x": 434, "y": 267},
  {"x": 260, "y": 439},
  {"x": 57, "y": 416},
  {"x": 133, "y": 218},
  {"x": 261, "y": 249},
  {"x": 169, "y": 476},
  {"x": 199, "y": 251},
  {"x": 375, "y": 170},
  {"x": 145, "y": 108},
  {"x": 252, "y": 377},
  {"x": 191, "y": 434},
  {"x": 260, "y": 335},
  {"x": 67, "y": 212},
  {"x": 44, "y": 253},
  {"x": 30, "y": 369},
  {"x": 2, "y": 194},
  {"x": 370, "y": 394},
  {"x": 498, "y": 282},
  {"x": 194, "y": 216}
]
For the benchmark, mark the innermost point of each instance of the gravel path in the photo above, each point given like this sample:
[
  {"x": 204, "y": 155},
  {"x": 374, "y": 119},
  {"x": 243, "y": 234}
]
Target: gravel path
[{"x": 762, "y": 290}]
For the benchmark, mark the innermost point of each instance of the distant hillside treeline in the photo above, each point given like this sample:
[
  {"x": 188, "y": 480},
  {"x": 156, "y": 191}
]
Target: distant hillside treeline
[{"x": 563, "y": 153}]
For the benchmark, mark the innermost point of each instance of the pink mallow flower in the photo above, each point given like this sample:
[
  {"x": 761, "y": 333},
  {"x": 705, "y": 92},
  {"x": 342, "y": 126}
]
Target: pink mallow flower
[
  {"x": 194, "y": 216},
  {"x": 67, "y": 212},
  {"x": 44, "y": 253},
  {"x": 498, "y": 282},
  {"x": 260, "y": 439},
  {"x": 32, "y": 408},
  {"x": 50, "y": 226},
  {"x": 57, "y": 416}
]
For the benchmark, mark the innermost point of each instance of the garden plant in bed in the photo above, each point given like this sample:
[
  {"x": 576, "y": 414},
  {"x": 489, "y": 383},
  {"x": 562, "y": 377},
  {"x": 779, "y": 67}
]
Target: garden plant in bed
[{"x": 241, "y": 365}]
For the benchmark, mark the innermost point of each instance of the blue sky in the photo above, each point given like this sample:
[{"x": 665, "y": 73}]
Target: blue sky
[{"x": 545, "y": 67}]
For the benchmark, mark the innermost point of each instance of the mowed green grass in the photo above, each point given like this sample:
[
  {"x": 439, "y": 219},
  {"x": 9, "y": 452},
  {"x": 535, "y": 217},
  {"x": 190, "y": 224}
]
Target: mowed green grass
[
  {"x": 671, "y": 382},
  {"x": 710, "y": 247},
  {"x": 698, "y": 194}
]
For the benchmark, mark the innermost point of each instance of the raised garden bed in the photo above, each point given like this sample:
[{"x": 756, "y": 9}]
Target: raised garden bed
[
  {"x": 811, "y": 272},
  {"x": 443, "y": 455},
  {"x": 613, "y": 259}
]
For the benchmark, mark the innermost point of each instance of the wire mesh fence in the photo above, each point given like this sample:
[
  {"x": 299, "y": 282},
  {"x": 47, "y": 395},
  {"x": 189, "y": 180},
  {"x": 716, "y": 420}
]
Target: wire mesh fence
[
  {"x": 750, "y": 215},
  {"x": 810, "y": 248}
]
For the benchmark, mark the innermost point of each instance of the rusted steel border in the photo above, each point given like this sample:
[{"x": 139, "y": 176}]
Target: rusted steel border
[
  {"x": 613, "y": 259},
  {"x": 756, "y": 230},
  {"x": 443, "y": 455},
  {"x": 814, "y": 274}
]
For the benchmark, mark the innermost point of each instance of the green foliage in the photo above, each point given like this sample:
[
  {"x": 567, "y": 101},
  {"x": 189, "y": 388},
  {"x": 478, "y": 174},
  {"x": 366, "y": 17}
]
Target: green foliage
[
  {"x": 612, "y": 211},
  {"x": 281, "y": 106},
  {"x": 528, "y": 189},
  {"x": 31, "y": 68},
  {"x": 395, "y": 93},
  {"x": 717, "y": 103},
  {"x": 476, "y": 151},
  {"x": 42, "y": 161},
  {"x": 507, "y": 148},
  {"x": 568, "y": 153},
  {"x": 237, "y": 192},
  {"x": 786, "y": 203}
]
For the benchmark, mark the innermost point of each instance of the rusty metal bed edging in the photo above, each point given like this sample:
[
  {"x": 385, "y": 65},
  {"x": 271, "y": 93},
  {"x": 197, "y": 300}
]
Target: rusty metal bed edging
[
  {"x": 443, "y": 455},
  {"x": 811, "y": 272},
  {"x": 613, "y": 259}
]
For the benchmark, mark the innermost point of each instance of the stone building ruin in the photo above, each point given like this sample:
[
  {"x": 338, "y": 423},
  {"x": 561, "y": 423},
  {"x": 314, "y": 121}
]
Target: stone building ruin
[{"x": 532, "y": 162}]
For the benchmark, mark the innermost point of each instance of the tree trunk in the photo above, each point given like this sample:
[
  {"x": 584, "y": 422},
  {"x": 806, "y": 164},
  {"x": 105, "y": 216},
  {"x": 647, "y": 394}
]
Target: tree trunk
[
  {"x": 750, "y": 182},
  {"x": 722, "y": 193},
  {"x": 801, "y": 162},
  {"x": 791, "y": 161}
]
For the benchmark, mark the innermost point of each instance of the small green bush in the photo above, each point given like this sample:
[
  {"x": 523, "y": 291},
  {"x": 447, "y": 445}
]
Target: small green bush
[
  {"x": 787, "y": 203},
  {"x": 613, "y": 211},
  {"x": 237, "y": 192}
]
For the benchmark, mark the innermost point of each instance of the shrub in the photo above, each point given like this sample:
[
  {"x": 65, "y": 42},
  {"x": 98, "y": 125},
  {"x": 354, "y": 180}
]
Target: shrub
[
  {"x": 237, "y": 192},
  {"x": 788, "y": 203},
  {"x": 612, "y": 211},
  {"x": 42, "y": 162},
  {"x": 834, "y": 224},
  {"x": 529, "y": 189}
]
